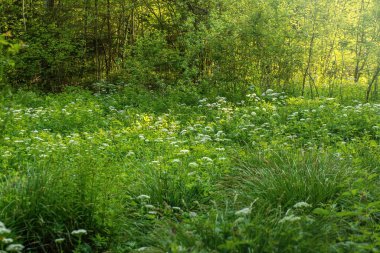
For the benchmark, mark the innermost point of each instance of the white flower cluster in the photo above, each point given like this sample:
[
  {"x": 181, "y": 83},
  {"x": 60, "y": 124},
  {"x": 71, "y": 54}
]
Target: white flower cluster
[
  {"x": 11, "y": 247},
  {"x": 79, "y": 232},
  {"x": 3, "y": 229}
]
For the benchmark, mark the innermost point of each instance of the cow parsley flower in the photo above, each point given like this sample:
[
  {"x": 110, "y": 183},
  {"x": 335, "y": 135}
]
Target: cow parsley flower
[
  {"x": 142, "y": 197},
  {"x": 290, "y": 218},
  {"x": 193, "y": 165},
  {"x": 4, "y": 230},
  {"x": 184, "y": 151},
  {"x": 207, "y": 159},
  {"x": 244, "y": 211},
  {"x": 15, "y": 248},
  {"x": 59, "y": 240},
  {"x": 130, "y": 153},
  {"x": 7, "y": 240},
  {"x": 301, "y": 205},
  {"x": 79, "y": 232}
]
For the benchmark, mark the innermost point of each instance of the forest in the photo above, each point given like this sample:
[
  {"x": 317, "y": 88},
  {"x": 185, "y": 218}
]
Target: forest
[{"x": 189, "y": 126}]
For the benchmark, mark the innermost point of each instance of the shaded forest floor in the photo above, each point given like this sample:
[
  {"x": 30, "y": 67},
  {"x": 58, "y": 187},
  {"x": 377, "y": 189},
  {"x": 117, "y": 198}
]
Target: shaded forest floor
[{"x": 143, "y": 172}]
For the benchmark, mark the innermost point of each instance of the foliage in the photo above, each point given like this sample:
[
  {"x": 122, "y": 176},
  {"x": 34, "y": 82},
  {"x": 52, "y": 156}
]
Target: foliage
[
  {"x": 142, "y": 170},
  {"x": 304, "y": 47},
  {"x": 7, "y": 49}
]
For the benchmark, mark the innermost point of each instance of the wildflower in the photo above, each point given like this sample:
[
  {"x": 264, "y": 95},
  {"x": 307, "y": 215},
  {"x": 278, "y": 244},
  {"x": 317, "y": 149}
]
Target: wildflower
[
  {"x": 15, "y": 248},
  {"x": 7, "y": 240},
  {"x": 220, "y": 134},
  {"x": 253, "y": 95},
  {"x": 59, "y": 240},
  {"x": 130, "y": 153},
  {"x": 184, "y": 151},
  {"x": 290, "y": 218},
  {"x": 142, "y": 197},
  {"x": 4, "y": 230},
  {"x": 176, "y": 161},
  {"x": 207, "y": 159},
  {"x": 176, "y": 208},
  {"x": 269, "y": 91},
  {"x": 79, "y": 232},
  {"x": 208, "y": 129},
  {"x": 149, "y": 206},
  {"x": 191, "y": 173},
  {"x": 301, "y": 205},
  {"x": 193, "y": 165},
  {"x": 244, "y": 211}
]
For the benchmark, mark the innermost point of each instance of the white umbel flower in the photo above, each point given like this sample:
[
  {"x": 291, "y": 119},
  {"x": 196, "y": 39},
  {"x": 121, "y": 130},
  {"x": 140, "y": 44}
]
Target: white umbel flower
[
  {"x": 143, "y": 196},
  {"x": 301, "y": 205},
  {"x": 244, "y": 211},
  {"x": 7, "y": 240},
  {"x": 79, "y": 232},
  {"x": 15, "y": 248},
  {"x": 290, "y": 218},
  {"x": 59, "y": 240}
]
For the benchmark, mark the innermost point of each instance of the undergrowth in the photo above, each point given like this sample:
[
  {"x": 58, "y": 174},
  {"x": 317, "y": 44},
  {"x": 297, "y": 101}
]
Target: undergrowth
[{"x": 178, "y": 172}]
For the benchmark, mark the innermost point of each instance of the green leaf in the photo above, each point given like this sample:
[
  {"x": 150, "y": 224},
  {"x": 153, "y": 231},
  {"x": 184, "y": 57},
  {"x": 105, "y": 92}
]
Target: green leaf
[
  {"x": 347, "y": 214},
  {"x": 321, "y": 211}
]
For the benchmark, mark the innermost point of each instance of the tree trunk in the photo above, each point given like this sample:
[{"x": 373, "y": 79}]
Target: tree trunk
[
  {"x": 109, "y": 38},
  {"x": 96, "y": 33},
  {"x": 306, "y": 73},
  {"x": 370, "y": 84},
  {"x": 49, "y": 4}
]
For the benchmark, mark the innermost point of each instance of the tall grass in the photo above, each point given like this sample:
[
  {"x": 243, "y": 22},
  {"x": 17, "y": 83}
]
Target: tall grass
[{"x": 283, "y": 178}]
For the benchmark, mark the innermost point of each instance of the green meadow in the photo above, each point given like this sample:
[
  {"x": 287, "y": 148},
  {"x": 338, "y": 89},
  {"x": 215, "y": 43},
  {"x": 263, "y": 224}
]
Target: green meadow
[{"x": 175, "y": 171}]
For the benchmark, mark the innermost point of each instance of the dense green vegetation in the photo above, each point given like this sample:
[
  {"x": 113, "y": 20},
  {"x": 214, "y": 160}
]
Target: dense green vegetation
[
  {"x": 189, "y": 126},
  {"x": 179, "y": 172},
  {"x": 296, "y": 46}
]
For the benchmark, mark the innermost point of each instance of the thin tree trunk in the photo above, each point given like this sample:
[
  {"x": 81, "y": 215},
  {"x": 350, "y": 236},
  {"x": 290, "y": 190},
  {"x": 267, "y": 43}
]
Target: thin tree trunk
[
  {"x": 109, "y": 35},
  {"x": 358, "y": 46},
  {"x": 85, "y": 35},
  {"x": 23, "y": 14},
  {"x": 373, "y": 80},
  {"x": 49, "y": 4},
  {"x": 96, "y": 33},
  {"x": 306, "y": 73}
]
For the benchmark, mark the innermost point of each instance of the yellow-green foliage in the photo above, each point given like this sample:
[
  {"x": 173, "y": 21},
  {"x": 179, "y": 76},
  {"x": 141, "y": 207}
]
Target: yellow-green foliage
[{"x": 144, "y": 171}]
